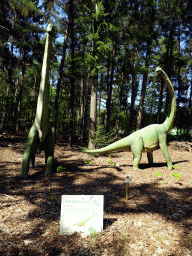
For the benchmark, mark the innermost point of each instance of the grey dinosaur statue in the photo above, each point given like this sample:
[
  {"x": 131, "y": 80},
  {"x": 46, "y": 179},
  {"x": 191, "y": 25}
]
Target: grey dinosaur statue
[
  {"x": 148, "y": 138},
  {"x": 40, "y": 135}
]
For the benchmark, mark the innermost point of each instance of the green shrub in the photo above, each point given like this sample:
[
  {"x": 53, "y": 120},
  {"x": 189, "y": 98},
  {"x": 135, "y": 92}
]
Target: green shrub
[{"x": 100, "y": 139}]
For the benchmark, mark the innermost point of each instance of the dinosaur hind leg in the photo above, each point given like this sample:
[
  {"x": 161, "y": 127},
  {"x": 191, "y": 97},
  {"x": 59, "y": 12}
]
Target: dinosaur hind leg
[
  {"x": 150, "y": 157},
  {"x": 49, "y": 152},
  {"x": 32, "y": 162},
  {"x": 136, "y": 148},
  {"x": 29, "y": 151}
]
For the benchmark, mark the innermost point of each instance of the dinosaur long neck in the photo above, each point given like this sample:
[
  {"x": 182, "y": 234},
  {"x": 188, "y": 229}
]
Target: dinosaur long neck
[
  {"x": 42, "y": 118},
  {"x": 171, "y": 104}
]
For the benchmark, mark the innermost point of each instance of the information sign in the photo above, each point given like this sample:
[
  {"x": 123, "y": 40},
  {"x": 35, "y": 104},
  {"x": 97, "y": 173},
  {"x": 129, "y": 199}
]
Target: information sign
[{"x": 81, "y": 213}]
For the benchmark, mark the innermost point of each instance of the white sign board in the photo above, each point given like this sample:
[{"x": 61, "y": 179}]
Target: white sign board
[
  {"x": 127, "y": 180},
  {"x": 81, "y": 213}
]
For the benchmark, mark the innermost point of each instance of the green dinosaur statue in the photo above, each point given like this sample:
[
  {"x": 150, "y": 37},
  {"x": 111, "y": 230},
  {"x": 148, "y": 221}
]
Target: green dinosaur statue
[
  {"x": 40, "y": 135},
  {"x": 148, "y": 138}
]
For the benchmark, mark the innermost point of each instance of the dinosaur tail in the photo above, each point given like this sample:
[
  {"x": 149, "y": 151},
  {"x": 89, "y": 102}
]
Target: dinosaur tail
[
  {"x": 120, "y": 145},
  {"x": 172, "y": 102}
]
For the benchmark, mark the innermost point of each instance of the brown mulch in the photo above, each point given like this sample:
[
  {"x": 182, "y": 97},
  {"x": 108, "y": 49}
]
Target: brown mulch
[{"x": 156, "y": 220}]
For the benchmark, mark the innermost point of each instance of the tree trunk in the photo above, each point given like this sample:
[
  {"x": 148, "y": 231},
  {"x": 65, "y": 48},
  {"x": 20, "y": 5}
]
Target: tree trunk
[
  {"x": 56, "y": 107},
  {"x": 179, "y": 90},
  {"x": 71, "y": 103},
  {"x": 4, "y": 109},
  {"x": 99, "y": 100},
  {"x": 85, "y": 111},
  {"x": 83, "y": 96},
  {"x": 93, "y": 111},
  {"x": 15, "y": 104},
  {"x": 82, "y": 100},
  {"x": 9, "y": 83},
  {"x": 142, "y": 97},
  {"x": 190, "y": 98},
  {"x": 94, "y": 85},
  {"x": 133, "y": 97},
  {"x": 109, "y": 92},
  {"x": 143, "y": 90},
  {"x": 19, "y": 99},
  {"x": 119, "y": 103}
]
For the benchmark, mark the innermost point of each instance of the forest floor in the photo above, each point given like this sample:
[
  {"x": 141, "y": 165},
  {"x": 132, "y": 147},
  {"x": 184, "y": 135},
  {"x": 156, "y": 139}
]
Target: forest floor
[{"x": 156, "y": 220}]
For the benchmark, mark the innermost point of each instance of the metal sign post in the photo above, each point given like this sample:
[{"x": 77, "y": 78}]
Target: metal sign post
[{"x": 127, "y": 181}]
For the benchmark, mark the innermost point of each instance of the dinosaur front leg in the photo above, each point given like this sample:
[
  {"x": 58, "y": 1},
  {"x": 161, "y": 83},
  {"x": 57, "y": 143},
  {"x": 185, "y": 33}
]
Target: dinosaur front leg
[
  {"x": 29, "y": 151},
  {"x": 150, "y": 157},
  {"x": 164, "y": 148},
  {"x": 136, "y": 148}
]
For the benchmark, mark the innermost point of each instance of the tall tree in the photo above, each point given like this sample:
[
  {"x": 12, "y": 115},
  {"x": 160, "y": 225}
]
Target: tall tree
[
  {"x": 120, "y": 100},
  {"x": 72, "y": 84},
  {"x": 112, "y": 19},
  {"x": 56, "y": 106},
  {"x": 133, "y": 98},
  {"x": 148, "y": 36},
  {"x": 18, "y": 13},
  {"x": 94, "y": 84},
  {"x": 109, "y": 92}
]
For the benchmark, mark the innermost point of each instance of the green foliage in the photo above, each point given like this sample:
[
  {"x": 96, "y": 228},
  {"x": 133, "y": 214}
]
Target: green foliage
[
  {"x": 111, "y": 162},
  {"x": 158, "y": 174},
  {"x": 62, "y": 169},
  {"x": 88, "y": 162},
  {"x": 94, "y": 233},
  {"x": 175, "y": 175},
  {"x": 100, "y": 139},
  {"x": 123, "y": 121},
  {"x": 52, "y": 198}
]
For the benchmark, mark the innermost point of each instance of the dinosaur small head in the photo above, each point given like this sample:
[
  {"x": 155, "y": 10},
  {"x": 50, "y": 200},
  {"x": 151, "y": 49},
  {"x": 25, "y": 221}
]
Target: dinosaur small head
[
  {"x": 158, "y": 69},
  {"x": 50, "y": 28}
]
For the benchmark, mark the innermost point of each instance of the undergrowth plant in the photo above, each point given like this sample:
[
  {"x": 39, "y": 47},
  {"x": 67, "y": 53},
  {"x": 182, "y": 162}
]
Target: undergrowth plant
[
  {"x": 93, "y": 234},
  {"x": 88, "y": 162},
  {"x": 61, "y": 169},
  {"x": 112, "y": 163},
  {"x": 158, "y": 174},
  {"x": 100, "y": 139},
  {"x": 52, "y": 198},
  {"x": 175, "y": 175},
  {"x": 109, "y": 161}
]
